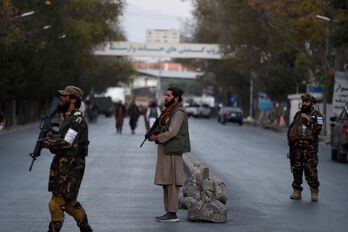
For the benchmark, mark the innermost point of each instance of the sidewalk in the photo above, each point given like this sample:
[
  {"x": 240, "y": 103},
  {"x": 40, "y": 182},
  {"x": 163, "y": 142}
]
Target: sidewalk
[{"x": 18, "y": 128}]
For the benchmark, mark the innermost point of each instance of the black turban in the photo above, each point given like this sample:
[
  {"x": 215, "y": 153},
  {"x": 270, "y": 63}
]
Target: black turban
[{"x": 177, "y": 92}]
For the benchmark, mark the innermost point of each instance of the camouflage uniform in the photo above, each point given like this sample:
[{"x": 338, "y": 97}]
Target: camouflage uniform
[
  {"x": 303, "y": 142},
  {"x": 70, "y": 146}
]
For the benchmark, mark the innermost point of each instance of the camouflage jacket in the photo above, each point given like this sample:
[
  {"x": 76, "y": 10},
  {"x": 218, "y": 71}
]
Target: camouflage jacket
[
  {"x": 70, "y": 146},
  {"x": 72, "y": 137},
  {"x": 305, "y": 132}
]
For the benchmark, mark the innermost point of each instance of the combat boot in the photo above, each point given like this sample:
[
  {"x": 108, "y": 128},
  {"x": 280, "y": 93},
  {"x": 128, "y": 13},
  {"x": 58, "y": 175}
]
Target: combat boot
[
  {"x": 296, "y": 195},
  {"x": 55, "y": 226},
  {"x": 84, "y": 226},
  {"x": 314, "y": 196}
]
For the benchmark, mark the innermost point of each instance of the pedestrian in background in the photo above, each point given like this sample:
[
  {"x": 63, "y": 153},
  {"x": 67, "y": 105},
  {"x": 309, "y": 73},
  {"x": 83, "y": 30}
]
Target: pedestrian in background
[
  {"x": 83, "y": 108},
  {"x": 303, "y": 139},
  {"x": 70, "y": 147},
  {"x": 133, "y": 112},
  {"x": 172, "y": 137},
  {"x": 151, "y": 114},
  {"x": 92, "y": 111},
  {"x": 2, "y": 121},
  {"x": 120, "y": 113}
]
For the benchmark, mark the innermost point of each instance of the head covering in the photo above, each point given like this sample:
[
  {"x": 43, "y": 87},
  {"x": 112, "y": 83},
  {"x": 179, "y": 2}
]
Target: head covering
[
  {"x": 177, "y": 92},
  {"x": 71, "y": 91},
  {"x": 308, "y": 97}
]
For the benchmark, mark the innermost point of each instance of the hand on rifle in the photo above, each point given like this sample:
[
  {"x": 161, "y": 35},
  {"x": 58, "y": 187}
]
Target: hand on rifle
[
  {"x": 305, "y": 116},
  {"x": 49, "y": 134},
  {"x": 153, "y": 138}
]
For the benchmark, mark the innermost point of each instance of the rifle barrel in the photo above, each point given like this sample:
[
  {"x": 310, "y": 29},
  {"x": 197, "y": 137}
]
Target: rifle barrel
[
  {"x": 32, "y": 162},
  {"x": 143, "y": 142}
]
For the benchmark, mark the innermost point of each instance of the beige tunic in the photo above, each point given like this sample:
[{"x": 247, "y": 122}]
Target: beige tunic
[{"x": 169, "y": 168}]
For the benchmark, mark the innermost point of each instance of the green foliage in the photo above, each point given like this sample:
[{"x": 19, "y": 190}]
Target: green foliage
[
  {"x": 340, "y": 33},
  {"x": 267, "y": 37},
  {"x": 37, "y": 61}
]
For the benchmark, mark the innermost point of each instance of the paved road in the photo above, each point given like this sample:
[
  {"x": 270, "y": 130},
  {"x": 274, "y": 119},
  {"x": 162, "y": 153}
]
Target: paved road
[
  {"x": 119, "y": 195},
  {"x": 253, "y": 164}
]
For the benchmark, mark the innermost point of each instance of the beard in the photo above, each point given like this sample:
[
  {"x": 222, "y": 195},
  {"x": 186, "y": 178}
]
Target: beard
[
  {"x": 169, "y": 103},
  {"x": 63, "y": 108},
  {"x": 306, "y": 109}
]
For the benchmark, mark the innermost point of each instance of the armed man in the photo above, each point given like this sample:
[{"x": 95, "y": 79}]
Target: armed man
[
  {"x": 70, "y": 147},
  {"x": 172, "y": 137},
  {"x": 303, "y": 139}
]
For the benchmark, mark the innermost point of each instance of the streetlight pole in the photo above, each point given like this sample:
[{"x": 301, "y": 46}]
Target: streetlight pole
[{"x": 327, "y": 20}]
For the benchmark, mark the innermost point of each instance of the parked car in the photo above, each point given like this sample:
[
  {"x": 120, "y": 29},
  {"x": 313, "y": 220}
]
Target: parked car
[
  {"x": 230, "y": 114},
  {"x": 197, "y": 110},
  {"x": 339, "y": 136}
]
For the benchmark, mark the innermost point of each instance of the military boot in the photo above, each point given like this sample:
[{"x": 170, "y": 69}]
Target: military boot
[
  {"x": 55, "y": 226},
  {"x": 314, "y": 195},
  {"x": 296, "y": 194},
  {"x": 84, "y": 226}
]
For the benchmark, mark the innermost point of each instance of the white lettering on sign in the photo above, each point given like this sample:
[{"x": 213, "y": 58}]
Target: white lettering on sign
[
  {"x": 340, "y": 94},
  {"x": 201, "y": 51}
]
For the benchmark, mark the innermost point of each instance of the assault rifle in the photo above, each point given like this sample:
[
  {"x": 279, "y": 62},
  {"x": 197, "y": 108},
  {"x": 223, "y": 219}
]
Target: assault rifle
[
  {"x": 151, "y": 131},
  {"x": 45, "y": 126}
]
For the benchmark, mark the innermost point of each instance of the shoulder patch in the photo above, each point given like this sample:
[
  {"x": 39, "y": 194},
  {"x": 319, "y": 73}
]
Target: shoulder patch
[
  {"x": 78, "y": 120},
  {"x": 320, "y": 120}
]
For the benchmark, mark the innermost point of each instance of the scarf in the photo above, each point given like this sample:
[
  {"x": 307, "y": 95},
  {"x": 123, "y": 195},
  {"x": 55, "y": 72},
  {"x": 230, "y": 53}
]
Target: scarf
[{"x": 165, "y": 113}]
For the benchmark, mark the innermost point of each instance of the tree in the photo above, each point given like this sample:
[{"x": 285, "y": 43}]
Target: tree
[
  {"x": 52, "y": 48},
  {"x": 282, "y": 41}
]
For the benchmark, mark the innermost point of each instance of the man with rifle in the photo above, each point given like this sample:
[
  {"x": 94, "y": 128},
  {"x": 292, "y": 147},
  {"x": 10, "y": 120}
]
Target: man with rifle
[
  {"x": 172, "y": 137},
  {"x": 303, "y": 141},
  {"x": 70, "y": 147}
]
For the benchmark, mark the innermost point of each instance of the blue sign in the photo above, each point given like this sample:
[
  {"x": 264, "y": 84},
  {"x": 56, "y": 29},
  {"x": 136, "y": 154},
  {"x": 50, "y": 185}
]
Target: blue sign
[
  {"x": 233, "y": 99},
  {"x": 315, "y": 89},
  {"x": 264, "y": 103}
]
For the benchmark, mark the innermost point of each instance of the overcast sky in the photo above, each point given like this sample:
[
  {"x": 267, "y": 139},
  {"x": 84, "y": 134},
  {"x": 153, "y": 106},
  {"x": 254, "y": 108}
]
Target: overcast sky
[{"x": 140, "y": 15}]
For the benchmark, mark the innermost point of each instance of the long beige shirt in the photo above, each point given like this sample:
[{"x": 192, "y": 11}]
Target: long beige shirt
[{"x": 169, "y": 168}]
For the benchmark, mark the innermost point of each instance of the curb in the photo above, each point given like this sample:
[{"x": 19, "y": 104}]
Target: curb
[
  {"x": 275, "y": 128},
  {"x": 13, "y": 129}
]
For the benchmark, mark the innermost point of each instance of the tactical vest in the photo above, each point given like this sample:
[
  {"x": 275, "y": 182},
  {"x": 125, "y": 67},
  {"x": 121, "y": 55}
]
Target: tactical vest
[
  {"x": 181, "y": 143},
  {"x": 298, "y": 131},
  {"x": 153, "y": 112},
  {"x": 80, "y": 146}
]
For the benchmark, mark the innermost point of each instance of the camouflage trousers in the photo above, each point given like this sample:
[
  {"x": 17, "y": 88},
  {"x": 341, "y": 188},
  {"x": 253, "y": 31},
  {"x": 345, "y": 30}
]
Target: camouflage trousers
[
  {"x": 305, "y": 159},
  {"x": 66, "y": 175},
  {"x": 58, "y": 206}
]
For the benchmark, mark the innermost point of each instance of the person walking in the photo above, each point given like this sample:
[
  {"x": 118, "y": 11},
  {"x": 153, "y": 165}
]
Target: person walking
[
  {"x": 70, "y": 147},
  {"x": 151, "y": 114},
  {"x": 133, "y": 113},
  {"x": 120, "y": 113}
]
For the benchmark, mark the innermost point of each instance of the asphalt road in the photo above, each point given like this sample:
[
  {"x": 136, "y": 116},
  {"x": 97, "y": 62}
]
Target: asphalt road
[
  {"x": 253, "y": 164},
  {"x": 119, "y": 195}
]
